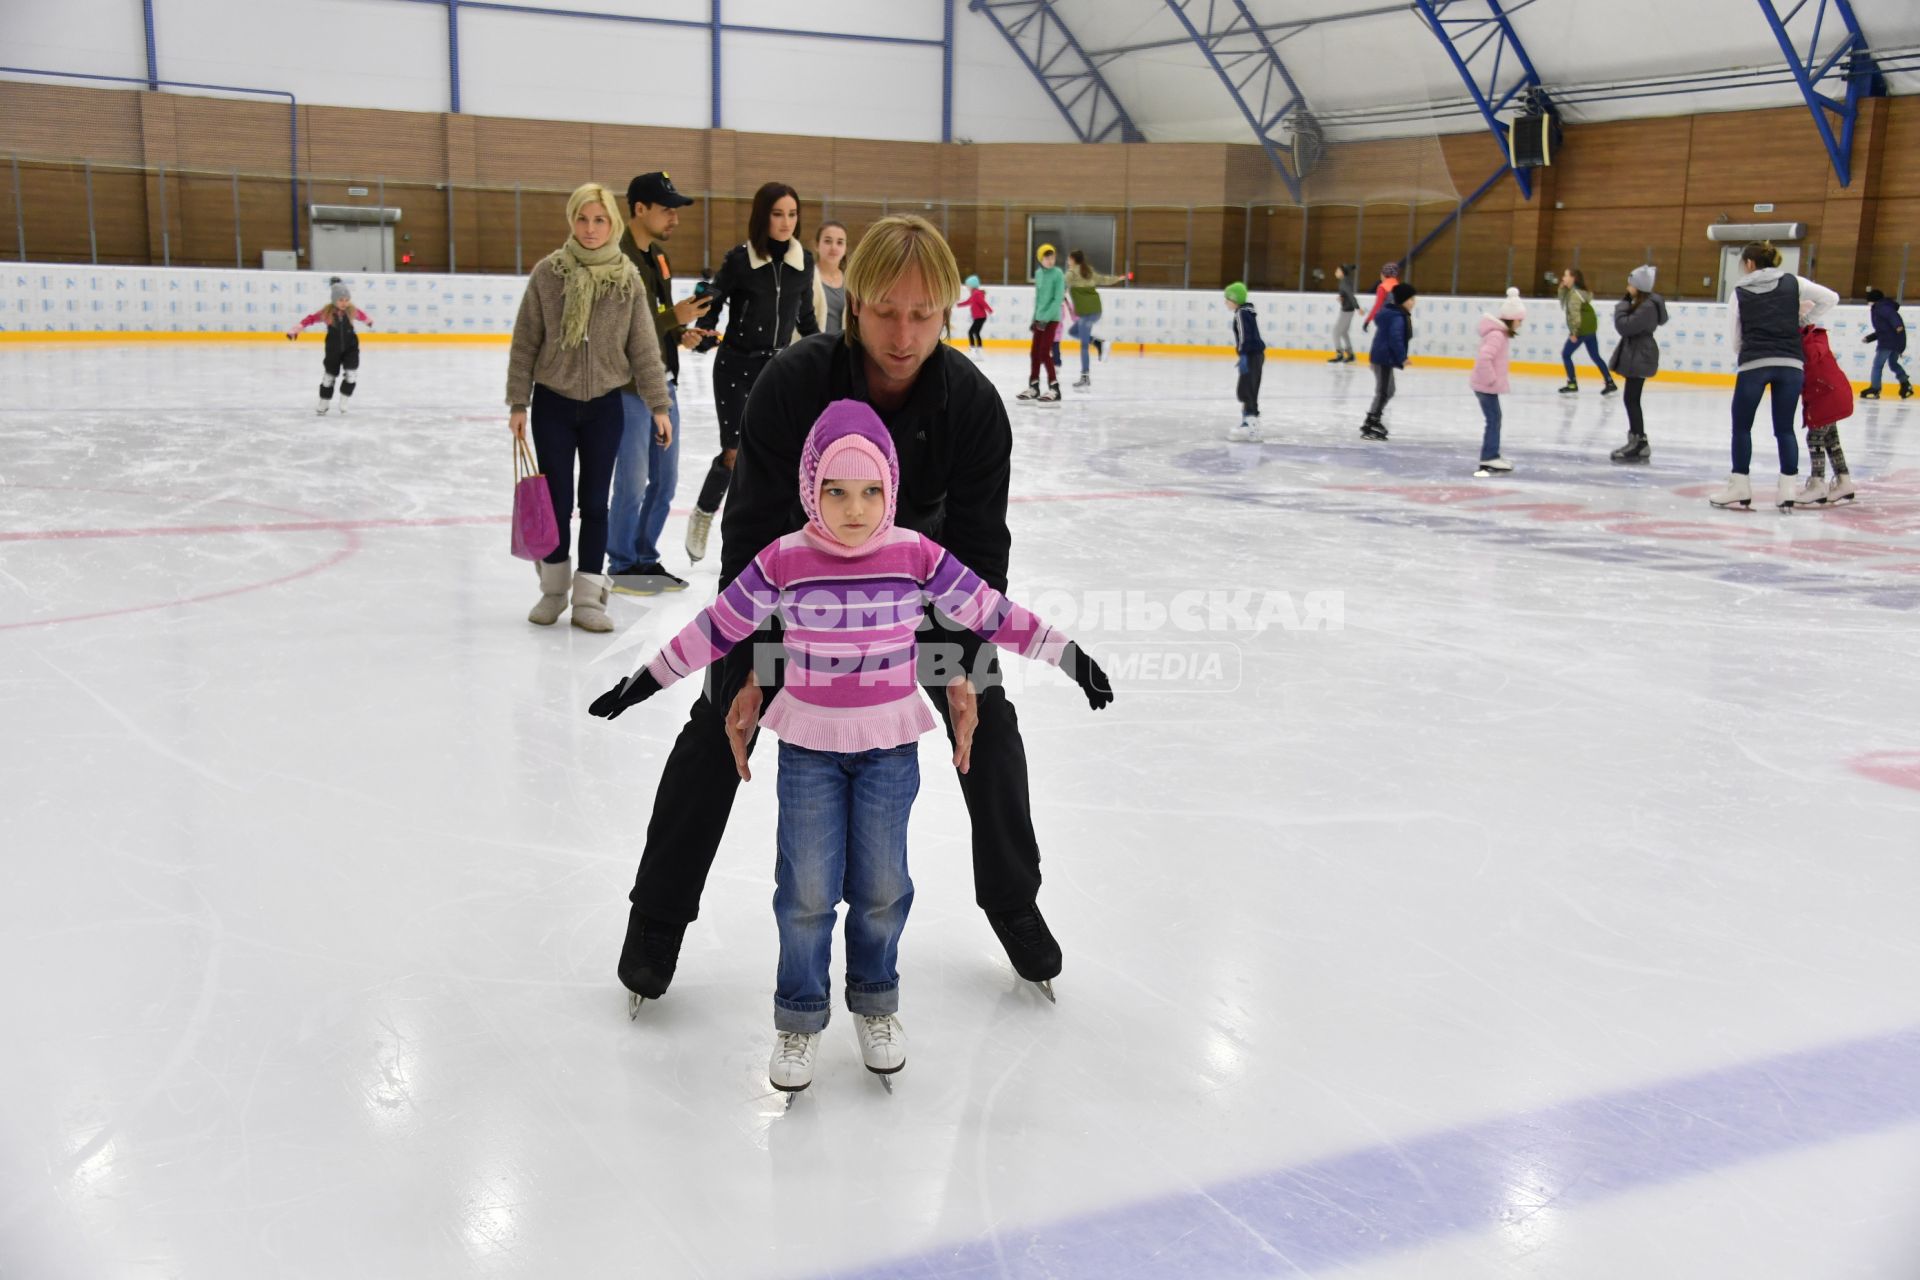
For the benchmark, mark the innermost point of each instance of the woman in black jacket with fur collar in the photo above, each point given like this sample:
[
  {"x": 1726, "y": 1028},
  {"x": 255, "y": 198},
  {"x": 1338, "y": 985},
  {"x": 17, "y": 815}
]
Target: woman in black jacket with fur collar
[{"x": 768, "y": 283}]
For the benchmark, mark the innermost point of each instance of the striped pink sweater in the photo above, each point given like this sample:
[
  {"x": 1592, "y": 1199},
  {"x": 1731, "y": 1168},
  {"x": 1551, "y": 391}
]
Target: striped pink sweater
[{"x": 850, "y": 622}]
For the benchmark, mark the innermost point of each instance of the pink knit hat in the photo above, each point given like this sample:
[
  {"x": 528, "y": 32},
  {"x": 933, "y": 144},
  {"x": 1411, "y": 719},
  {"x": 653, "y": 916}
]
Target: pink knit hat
[{"x": 848, "y": 442}]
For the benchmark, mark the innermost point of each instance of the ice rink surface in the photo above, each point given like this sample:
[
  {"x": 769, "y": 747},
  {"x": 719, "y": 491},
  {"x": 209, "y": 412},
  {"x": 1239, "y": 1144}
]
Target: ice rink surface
[{"x": 1533, "y": 896}]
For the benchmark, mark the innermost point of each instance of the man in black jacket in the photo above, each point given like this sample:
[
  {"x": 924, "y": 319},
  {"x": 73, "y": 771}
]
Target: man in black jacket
[{"x": 950, "y": 430}]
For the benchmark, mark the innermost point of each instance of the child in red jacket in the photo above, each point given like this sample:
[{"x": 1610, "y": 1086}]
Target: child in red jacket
[
  {"x": 1826, "y": 397},
  {"x": 976, "y": 305}
]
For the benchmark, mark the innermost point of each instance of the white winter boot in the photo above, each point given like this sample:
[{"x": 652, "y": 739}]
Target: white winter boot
[
  {"x": 883, "y": 1042},
  {"x": 1812, "y": 493},
  {"x": 553, "y": 593},
  {"x": 699, "y": 525},
  {"x": 791, "y": 1068},
  {"x": 1738, "y": 493},
  {"x": 590, "y": 592}
]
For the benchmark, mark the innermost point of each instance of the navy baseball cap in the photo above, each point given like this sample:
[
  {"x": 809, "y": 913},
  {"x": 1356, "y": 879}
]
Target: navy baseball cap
[{"x": 655, "y": 188}]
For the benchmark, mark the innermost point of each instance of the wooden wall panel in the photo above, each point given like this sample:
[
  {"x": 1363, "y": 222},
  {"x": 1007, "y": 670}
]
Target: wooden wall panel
[
  {"x": 1738, "y": 158},
  {"x": 1626, "y": 188},
  {"x": 805, "y": 164},
  {"x": 1061, "y": 173},
  {"x": 1899, "y": 176},
  {"x": 534, "y": 153},
  {"x": 68, "y": 122},
  {"x": 625, "y": 151}
]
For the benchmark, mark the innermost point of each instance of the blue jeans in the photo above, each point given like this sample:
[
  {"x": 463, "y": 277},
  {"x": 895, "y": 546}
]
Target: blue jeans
[
  {"x": 1882, "y": 357},
  {"x": 644, "y": 477},
  {"x": 589, "y": 430},
  {"x": 1592, "y": 343},
  {"x": 1083, "y": 330},
  {"x": 1748, "y": 386},
  {"x": 842, "y": 833},
  {"x": 1490, "y": 439}
]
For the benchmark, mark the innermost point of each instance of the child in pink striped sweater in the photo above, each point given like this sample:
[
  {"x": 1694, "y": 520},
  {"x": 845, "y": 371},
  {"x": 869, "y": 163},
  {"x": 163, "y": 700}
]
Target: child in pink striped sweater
[{"x": 851, "y": 590}]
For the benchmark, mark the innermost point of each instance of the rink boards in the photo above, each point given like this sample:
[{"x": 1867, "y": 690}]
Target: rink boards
[{"x": 125, "y": 303}]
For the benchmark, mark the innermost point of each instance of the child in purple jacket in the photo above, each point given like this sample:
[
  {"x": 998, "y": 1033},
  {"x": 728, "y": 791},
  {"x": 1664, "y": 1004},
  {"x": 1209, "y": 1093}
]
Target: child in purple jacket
[{"x": 851, "y": 590}]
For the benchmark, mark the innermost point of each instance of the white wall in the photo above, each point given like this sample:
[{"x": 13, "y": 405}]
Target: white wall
[
  {"x": 55, "y": 299},
  {"x": 98, "y": 37},
  {"x": 393, "y": 54}
]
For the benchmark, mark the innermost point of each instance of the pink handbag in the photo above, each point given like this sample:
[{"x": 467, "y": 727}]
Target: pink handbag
[{"x": 535, "y": 532}]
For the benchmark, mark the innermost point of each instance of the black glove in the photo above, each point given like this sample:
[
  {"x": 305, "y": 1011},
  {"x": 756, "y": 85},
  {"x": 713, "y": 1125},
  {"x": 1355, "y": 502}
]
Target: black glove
[
  {"x": 1087, "y": 674},
  {"x": 1365, "y": 325},
  {"x": 632, "y": 691}
]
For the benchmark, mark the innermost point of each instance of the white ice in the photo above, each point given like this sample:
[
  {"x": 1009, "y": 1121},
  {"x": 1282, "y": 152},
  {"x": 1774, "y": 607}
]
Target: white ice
[{"x": 316, "y": 868}]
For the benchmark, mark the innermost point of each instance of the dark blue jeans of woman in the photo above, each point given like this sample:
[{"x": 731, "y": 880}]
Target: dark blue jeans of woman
[
  {"x": 1748, "y": 387},
  {"x": 1592, "y": 344},
  {"x": 591, "y": 429}
]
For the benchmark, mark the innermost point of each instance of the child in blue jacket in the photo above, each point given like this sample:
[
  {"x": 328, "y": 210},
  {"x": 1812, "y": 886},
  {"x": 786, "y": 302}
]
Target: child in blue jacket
[
  {"x": 1392, "y": 335},
  {"x": 1890, "y": 338}
]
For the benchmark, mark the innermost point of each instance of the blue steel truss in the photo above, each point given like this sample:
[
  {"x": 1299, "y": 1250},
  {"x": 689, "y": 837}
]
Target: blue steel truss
[
  {"x": 1057, "y": 60},
  {"x": 1239, "y": 52},
  {"x": 1851, "y": 60},
  {"x": 1495, "y": 46}
]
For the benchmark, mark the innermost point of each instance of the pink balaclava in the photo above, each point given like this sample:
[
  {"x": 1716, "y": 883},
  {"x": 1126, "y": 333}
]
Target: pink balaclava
[{"x": 848, "y": 442}]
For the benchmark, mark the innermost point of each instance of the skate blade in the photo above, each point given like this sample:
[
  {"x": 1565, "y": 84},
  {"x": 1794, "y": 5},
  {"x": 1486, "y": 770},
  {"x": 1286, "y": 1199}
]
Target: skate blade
[
  {"x": 1046, "y": 989},
  {"x": 886, "y": 1082},
  {"x": 791, "y": 1089},
  {"x": 633, "y": 1005}
]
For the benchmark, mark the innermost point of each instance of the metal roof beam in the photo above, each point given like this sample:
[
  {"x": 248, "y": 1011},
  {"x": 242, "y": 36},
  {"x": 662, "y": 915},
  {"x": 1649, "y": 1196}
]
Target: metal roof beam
[
  {"x": 1058, "y": 61},
  {"x": 1450, "y": 27},
  {"x": 1862, "y": 76},
  {"x": 1251, "y": 69}
]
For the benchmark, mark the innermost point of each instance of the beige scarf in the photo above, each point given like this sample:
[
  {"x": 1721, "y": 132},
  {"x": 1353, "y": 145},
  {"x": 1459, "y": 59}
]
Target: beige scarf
[{"x": 588, "y": 275}]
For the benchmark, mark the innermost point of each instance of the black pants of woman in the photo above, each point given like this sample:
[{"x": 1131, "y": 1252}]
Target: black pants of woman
[
  {"x": 590, "y": 428},
  {"x": 974, "y": 340},
  {"x": 734, "y": 374},
  {"x": 1636, "y": 423}
]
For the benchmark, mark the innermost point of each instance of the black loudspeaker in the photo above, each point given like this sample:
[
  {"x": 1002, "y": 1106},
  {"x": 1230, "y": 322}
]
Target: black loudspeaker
[{"x": 1532, "y": 140}]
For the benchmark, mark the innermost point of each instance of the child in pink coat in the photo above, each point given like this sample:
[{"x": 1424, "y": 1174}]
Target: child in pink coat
[{"x": 1489, "y": 378}]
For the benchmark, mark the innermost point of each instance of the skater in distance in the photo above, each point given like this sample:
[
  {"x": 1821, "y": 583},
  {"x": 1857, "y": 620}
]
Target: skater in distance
[
  {"x": 341, "y": 359},
  {"x": 954, "y": 445}
]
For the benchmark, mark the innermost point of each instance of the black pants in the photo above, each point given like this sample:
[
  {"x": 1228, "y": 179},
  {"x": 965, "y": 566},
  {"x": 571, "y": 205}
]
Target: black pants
[
  {"x": 591, "y": 428},
  {"x": 1247, "y": 391},
  {"x": 1636, "y": 423},
  {"x": 698, "y": 783},
  {"x": 339, "y": 355},
  {"x": 734, "y": 374},
  {"x": 1382, "y": 391},
  {"x": 974, "y": 340}
]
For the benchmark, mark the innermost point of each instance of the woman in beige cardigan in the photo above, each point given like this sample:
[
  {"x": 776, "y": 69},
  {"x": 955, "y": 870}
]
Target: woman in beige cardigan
[{"x": 585, "y": 332}]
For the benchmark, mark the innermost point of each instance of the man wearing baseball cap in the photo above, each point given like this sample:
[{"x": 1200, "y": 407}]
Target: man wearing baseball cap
[{"x": 648, "y": 467}]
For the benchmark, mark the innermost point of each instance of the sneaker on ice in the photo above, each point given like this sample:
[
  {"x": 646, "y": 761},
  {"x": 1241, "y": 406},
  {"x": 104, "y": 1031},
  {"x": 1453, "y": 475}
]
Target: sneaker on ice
[
  {"x": 883, "y": 1042},
  {"x": 1812, "y": 493},
  {"x": 791, "y": 1068},
  {"x": 647, "y": 580}
]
